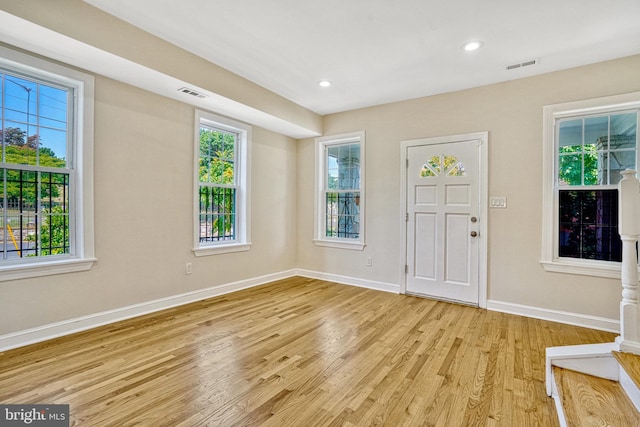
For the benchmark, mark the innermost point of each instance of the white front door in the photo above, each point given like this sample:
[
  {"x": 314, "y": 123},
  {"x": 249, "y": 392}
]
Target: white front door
[{"x": 443, "y": 218}]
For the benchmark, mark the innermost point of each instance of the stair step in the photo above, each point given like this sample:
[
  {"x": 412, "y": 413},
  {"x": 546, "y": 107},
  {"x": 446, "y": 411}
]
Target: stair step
[
  {"x": 593, "y": 401},
  {"x": 631, "y": 364}
]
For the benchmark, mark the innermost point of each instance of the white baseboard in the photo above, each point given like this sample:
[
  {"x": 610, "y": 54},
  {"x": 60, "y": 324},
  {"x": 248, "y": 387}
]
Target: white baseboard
[
  {"x": 630, "y": 387},
  {"x": 577, "y": 319},
  {"x": 347, "y": 280},
  {"x": 83, "y": 323}
]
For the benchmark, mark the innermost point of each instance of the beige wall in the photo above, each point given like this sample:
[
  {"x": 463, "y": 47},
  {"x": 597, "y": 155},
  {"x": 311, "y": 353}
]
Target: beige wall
[
  {"x": 512, "y": 113},
  {"x": 144, "y": 215}
]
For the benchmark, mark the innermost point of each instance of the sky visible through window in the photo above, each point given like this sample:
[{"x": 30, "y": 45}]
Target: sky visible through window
[{"x": 35, "y": 109}]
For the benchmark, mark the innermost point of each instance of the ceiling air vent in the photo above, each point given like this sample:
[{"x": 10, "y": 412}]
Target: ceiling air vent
[
  {"x": 522, "y": 64},
  {"x": 191, "y": 92}
]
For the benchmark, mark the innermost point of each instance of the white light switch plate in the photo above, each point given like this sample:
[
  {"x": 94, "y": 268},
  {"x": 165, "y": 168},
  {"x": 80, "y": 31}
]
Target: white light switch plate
[{"x": 498, "y": 202}]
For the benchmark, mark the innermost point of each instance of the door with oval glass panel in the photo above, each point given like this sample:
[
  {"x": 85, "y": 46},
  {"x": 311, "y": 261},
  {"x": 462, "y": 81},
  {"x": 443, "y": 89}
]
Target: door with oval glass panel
[{"x": 443, "y": 219}]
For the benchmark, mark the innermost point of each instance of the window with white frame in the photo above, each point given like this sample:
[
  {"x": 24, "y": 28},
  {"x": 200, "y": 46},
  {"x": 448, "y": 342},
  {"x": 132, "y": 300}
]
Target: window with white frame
[
  {"x": 46, "y": 183},
  {"x": 222, "y": 149},
  {"x": 340, "y": 201},
  {"x": 589, "y": 144}
]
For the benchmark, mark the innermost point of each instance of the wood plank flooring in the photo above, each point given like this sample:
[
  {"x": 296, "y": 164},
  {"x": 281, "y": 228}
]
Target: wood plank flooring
[
  {"x": 590, "y": 401},
  {"x": 299, "y": 352}
]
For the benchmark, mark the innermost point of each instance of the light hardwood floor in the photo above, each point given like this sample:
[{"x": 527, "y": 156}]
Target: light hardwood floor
[{"x": 299, "y": 352}]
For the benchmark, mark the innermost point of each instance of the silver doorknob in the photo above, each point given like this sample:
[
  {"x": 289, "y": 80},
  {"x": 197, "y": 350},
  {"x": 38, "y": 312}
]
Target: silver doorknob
[{"x": 474, "y": 233}]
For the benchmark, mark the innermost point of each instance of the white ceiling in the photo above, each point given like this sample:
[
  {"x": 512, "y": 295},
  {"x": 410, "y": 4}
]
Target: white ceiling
[{"x": 380, "y": 51}]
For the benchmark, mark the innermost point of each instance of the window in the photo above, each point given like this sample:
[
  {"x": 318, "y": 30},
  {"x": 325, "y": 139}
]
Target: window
[
  {"x": 222, "y": 185},
  {"x": 340, "y": 191},
  {"x": 46, "y": 203},
  {"x": 589, "y": 144},
  {"x": 442, "y": 165}
]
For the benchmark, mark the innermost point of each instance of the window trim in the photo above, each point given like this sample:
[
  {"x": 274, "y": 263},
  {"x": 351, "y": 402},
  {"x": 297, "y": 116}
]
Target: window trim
[
  {"x": 551, "y": 113},
  {"x": 82, "y": 204},
  {"x": 243, "y": 172},
  {"x": 319, "y": 203}
]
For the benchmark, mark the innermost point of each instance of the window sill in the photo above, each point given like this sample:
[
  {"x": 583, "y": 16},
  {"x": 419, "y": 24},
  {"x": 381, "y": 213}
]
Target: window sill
[
  {"x": 341, "y": 244},
  {"x": 221, "y": 249},
  {"x": 606, "y": 269},
  {"x": 46, "y": 268}
]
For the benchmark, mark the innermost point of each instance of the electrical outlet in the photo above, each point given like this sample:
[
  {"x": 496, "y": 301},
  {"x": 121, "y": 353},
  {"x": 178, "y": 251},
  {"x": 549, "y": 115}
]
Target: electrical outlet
[
  {"x": 369, "y": 262},
  {"x": 188, "y": 268}
]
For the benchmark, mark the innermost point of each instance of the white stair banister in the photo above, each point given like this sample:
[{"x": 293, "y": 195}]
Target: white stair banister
[{"x": 629, "y": 229}]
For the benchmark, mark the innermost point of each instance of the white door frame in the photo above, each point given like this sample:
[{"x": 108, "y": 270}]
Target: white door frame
[{"x": 483, "y": 137}]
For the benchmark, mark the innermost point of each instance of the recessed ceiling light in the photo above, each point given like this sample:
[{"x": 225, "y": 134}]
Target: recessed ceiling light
[
  {"x": 324, "y": 83},
  {"x": 472, "y": 45}
]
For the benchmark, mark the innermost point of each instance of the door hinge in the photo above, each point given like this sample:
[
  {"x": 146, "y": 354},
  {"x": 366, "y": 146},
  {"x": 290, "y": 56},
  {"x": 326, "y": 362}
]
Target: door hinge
[
  {"x": 407, "y": 163},
  {"x": 406, "y": 269},
  {"x": 406, "y": 217}
]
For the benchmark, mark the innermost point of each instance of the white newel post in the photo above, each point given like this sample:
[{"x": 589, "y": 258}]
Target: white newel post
[{"x": 629, "y": 229}]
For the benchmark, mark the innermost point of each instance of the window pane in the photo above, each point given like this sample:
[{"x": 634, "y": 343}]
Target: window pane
[
  {"x": 53, "y": 107},
  {"x": 343, "y": 167},
  {"x": 619, "y": 161},
  {"x": 221, "y": 172},
  {"x": 589, "y": 225},
  {"x": 217, "y": 153},
  {"x": 16, "y": 144},
  {"x": 227, "y": 146},
  {"x": 54, "y": 192},
  {"x": 21, "y": 190},
  {"x": 207, "y": 139},
  {"x": 434, "y": 162},
  {"x": 426, "y": 171},
  {"x": 623, "y": 130},
  {"x": 52, "y": 147},
  {"x": 54, "y": 233},
  {"x": 35, "y": 118},
  {"x": 332, "y": 167},
  {"x": 570, "y": 136},
  {"x": 217, "y": 214},
  {"x": 20, "y": 99},
  {"x": 593, "y": 166},
  {"x": 24, "y": 235},
  {"x": 570, "y": 170},
  {"x": 14, "y": 134},
  {"x": 342, "y": 215},
  {"x": 596, "y": 131},
  {"x": 457, "y": 169}
]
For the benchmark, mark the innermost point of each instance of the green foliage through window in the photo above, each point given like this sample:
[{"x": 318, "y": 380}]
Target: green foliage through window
[
  {"x": 594, "y": 150},
  {"x": 217, "y": 178},
  {"x": 442, "y": 164}
]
